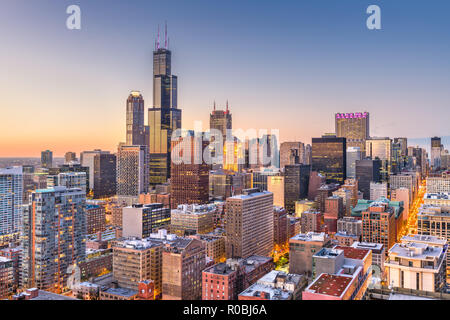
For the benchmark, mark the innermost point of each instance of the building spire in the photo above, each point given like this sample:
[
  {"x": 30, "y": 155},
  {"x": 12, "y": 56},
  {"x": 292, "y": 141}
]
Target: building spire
[
  {"x": 227, "y": 105},
  {"x": 157, "y": 42},
  {"x": 214, "y": 105},
  {"x": 165, "y": 37}
]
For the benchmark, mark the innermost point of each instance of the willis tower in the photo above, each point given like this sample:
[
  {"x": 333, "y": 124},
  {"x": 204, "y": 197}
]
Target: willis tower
[{"x": 164, "y": 117}]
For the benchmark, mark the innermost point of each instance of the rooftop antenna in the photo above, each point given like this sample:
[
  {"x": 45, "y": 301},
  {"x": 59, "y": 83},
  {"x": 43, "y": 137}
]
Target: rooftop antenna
[
  {"x": 165, "y": 37},
  {"x": 227, "y": 105},
  {"x": 214, "y": 105},
  {"x": 157, "y": 43}
]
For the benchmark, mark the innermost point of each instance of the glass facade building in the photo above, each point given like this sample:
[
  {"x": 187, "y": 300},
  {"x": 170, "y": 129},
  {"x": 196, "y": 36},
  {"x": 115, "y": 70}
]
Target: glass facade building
[{"x": 329, "y": 158}]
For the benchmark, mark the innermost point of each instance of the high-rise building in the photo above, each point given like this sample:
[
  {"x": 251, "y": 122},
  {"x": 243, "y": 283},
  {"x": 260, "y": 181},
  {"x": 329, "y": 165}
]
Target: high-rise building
[
  {"x": 183, "y": 260},
  {"x": 292, "y": 153},
  {"x": 436, "y": 150},
  {"x": 296, "y": 182},
  {"x": 190, "y": 172},
  {"x": 353, "y": 154},
  {"x": 95, "y": 218},
  {"x": 379, "y": 224},
  {"x": 381, "y": 148},
  {"x": 102, "y": 172},
  {"x": 249, "y": 224},
  {"x": 53, "y": 242},
  {"x": 11, "y": 190},
  {"x": 132, "y": 170},
  {"x": 70, "y": 157},
  {"x": 378, "y": 190},
  {"x": 329, "y": 158},
  {"x": 72, "y": 180},
  {"x": 438, "y": 184},
  {"x": 136, "y": 131},
  {"x": 47, "y": 159},
  {"x": 164, "y": 117},
  {"x": 6, "y": 277},
  {"x": 141, "y": 220},
  {"x": 404, "y": 180},
  {"x": 275, "y": 184},
  {"x": 354, "y": 127},
  {"x": 280, "y": 226},
  {"x": 221, "y": 120},
  {"x": 367, "y": 171}
]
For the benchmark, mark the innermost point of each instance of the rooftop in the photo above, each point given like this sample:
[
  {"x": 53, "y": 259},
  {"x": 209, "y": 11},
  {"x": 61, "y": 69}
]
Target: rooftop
[
  {"x": 330, "y": 285},
  {"x": 310, "y": 236},
  {"x": 353, "y": 253},
  {"x": 123, "y": 292},
  {"x": 266, "y": 292}
]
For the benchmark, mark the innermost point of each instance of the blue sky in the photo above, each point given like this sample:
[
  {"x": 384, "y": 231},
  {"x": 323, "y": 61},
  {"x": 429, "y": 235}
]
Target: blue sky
[{"x": 287, "y": 65}]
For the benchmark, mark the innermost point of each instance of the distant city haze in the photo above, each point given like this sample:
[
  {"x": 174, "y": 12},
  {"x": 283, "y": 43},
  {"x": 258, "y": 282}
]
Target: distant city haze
[{"x": 288, "y": 65}]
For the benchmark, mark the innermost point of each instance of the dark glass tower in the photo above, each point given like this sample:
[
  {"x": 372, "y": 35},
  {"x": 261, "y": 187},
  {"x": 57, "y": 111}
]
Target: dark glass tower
[
  {"x": 137, "y": 133},
  {"x": 296, "y": 182},
  {"x": 329, "y": 158},
  {"x": 164, "y": 117}
]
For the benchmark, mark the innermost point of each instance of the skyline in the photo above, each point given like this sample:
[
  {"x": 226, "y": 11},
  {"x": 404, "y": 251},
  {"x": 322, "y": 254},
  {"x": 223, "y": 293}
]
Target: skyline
[{"x": 390, "y": 73}]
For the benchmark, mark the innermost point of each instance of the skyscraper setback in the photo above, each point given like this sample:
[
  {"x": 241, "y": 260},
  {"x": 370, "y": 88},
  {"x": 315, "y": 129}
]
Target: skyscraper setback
[{"x": 164, "y": 117}]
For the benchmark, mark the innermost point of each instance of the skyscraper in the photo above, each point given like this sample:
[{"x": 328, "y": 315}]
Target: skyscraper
[
  {"x": 132, "y": 170},
  {"x": 353, "y": 154},
  {"x": 296, "y": 181},
  {"x": 367, "y": 171},
  {"x": 249, "y": 224},
  {"x": 136, "y": 133},
  {"x": 292, "y": 153},
  {"x": 190, "y": 177},
  {"x": 52, "y": 242},
  {"x": 70, "y": 157},
  {"x": 436, "y": 149},
  {"x": 221, "y": 120},
  {"x": 354, "y": 127},
  {"x": 102, "y": 171},
  {"x": 164, "y": 117},
  {"x": 10, "y": 200},
  {"x": 47, "y": 159},
  {"x": 329, "y": 158},
  {"x": 381, "y": 148}
]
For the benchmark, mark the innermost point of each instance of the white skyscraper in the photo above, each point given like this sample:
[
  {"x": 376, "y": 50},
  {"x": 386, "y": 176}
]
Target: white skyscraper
[{"x": 11, "y": 190}]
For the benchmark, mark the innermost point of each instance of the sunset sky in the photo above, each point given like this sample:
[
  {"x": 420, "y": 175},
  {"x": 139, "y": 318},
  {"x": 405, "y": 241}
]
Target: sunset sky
[{"x": 287, "y": 65}]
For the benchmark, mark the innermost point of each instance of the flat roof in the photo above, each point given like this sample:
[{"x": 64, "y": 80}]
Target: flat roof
[
  {"x": 271, "y": 293},
  {"x": 123, "y": 292},
  {"x": 353, "y": 253},
  {"x": 330, "y": 284},
  {"x": 310, "y": 236}
]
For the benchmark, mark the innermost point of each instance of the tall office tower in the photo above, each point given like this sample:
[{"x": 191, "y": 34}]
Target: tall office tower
[
  {"x": 354, "y": 127},
  {"x": 249, "y": 224},
  {"x": 105, "y": 166},
  {"x": 329, "y": 158},
  {"x": 70, "y": 157},
  {"x": 141, "y": 220},
  {"x": 53, "y": 242},
  {"x": 102, "y": 172},
  {"x": 436, "y": 150},
  {"x": 378, "y": 224},
  {"x": 95, "y": 218},
  {"x": 353, "y": 154},
  {"x": 280, "y": 226},
  {"x": 183, "y": 262},
  {"x": 47, "y": 159},
  {"x": 346, "y": 196},
  {"x": 11, "y": 194},
  {"x": 421, "y": 159},
  {"x": 190, "y": 172},
  {"x": 334, "y": 210},
  {"x": 136, "y": 133},
  {"x": 269, "y": 151},
  {"x": 275, "y": 184},
  {"x": 164, "y": 117},
  {"x": 378, "y": 190},
  {"x": 403, "y": 142},
  {"x": 72, "y": 180},
  {"x": 260, "y": 178},
  {"x": 302, "y": 247},
  {"x": 292, "y": 153},
  {"x": 381, "y": 148},
  {"x": 308, "y": 154},
  {"x": 221, "y": 120},
  {"x": 296, "y": 182},
  {"x": 367, "y": 171},
  {"x": 132, "y": 170}
]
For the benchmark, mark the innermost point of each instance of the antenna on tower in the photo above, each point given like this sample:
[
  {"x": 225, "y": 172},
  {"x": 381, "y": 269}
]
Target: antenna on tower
[
  {"x": 227, "y": 105},
  {"x": 165, "y": 37},
  {"x": 214, "y": 105},
  {"x": 157, "y": 43}
]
